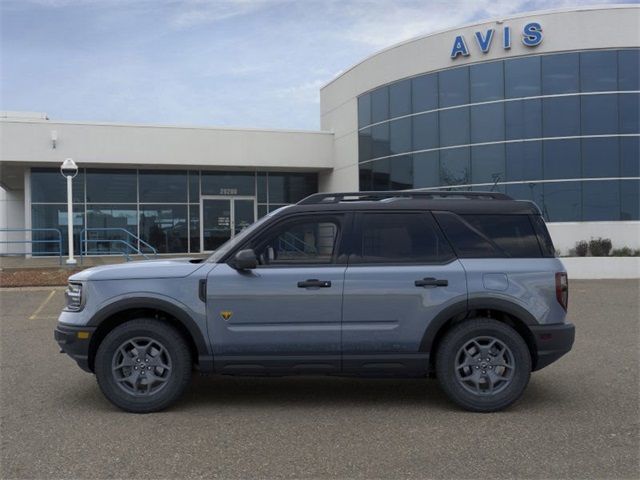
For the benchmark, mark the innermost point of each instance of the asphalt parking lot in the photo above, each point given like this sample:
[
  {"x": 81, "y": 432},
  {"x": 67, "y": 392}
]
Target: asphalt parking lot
[{"x": 578, "y": 419}]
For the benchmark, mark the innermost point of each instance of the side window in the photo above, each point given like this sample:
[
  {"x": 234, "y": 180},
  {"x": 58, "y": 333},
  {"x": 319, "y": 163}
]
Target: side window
[
  {"x": 400, "y": 238},
  {"x": 483, "y": 236},
  {"x": 299, "y": 243}
]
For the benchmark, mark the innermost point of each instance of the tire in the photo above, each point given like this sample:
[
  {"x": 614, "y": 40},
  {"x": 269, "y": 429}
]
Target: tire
[
  {"x": 469, "y": 379},
  {"x": 143, "y": 366}
]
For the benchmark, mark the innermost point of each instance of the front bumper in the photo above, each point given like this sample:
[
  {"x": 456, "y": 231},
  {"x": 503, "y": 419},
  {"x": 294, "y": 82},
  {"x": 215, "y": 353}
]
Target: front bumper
[
  {"x": 75, "y": 341},
  {"x": 552, "y": 342}
]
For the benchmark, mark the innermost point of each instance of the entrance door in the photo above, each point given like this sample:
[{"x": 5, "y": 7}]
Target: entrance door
[{"x": 221, "y": 218}]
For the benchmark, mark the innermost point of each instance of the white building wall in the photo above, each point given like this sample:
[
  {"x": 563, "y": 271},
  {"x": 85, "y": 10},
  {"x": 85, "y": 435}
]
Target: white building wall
[
  {"x": 11, "y": 216},
  {"x": 622, "y": 234}
]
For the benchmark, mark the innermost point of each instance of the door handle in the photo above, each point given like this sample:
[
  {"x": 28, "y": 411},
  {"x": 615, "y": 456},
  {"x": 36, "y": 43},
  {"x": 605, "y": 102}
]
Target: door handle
[
  {"x": 431, "y": 282},
  {"x": 314, "y": 283}
]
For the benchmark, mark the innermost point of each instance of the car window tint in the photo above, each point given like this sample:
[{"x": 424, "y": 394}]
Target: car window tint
[
  {"x": 544, "y": 239},
  {"x": 514, "y": 234},
  {"x": 466, "y": 240},
  {"x": 303, "y": 242},
  {"x": 401, "y": 238}
]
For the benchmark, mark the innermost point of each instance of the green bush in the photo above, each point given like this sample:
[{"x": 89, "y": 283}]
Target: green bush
[
  {"x": 600, "y": 247},
  {"x": 582, "y": 248},
  {"x": 622, "y": 252}
]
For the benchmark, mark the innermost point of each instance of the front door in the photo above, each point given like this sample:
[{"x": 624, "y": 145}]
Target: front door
[
  {"x": 285, "y": 315},
  {"x": 221, "y": 218}
]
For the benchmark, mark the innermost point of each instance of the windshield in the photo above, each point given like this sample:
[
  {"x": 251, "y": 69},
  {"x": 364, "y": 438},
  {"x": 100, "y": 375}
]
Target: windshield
[{"x": 230, "y": 244}]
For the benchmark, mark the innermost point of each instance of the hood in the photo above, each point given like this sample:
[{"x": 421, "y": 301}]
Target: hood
[{"x": 170, "y": 268}]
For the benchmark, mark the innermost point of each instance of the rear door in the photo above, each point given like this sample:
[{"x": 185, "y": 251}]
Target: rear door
[{"x": 402, "y": 273}]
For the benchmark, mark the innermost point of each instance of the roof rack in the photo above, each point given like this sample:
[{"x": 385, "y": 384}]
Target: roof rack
[{"x": 384, "y": 195}]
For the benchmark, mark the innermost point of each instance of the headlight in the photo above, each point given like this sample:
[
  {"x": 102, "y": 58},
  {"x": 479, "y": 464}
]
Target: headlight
[{"x": 73, "y": 295}]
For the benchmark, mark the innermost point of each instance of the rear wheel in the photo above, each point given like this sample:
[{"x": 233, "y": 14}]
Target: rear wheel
[
  {"x": 483, "y": 365},
  {"x": 143, "y": 366}
]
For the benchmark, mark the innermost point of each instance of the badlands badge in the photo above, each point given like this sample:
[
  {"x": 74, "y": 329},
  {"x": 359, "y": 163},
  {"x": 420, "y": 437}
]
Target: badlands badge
[{"x": 226, "y": 314}]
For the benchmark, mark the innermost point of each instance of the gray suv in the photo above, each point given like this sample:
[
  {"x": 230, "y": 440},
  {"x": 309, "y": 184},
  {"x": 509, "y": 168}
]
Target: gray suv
[{"x": 462, "y": 286}]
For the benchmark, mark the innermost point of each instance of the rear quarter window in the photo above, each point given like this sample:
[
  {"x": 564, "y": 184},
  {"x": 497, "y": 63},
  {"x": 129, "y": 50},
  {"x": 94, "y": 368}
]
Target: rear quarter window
[{"x": 485, "y": 236}]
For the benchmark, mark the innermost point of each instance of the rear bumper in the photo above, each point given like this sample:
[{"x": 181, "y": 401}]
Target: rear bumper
[
  {"x": 74, "y": 345},
  {"x": 552, "y": 342}
]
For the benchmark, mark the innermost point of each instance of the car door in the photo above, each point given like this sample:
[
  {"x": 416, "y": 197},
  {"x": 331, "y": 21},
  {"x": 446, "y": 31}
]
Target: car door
[
  {"x": 285, "y": 315},
  {"x": 402, "y": 273}
]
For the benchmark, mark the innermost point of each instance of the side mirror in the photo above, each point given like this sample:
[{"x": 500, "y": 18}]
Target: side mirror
[{"x": 245, "y": 260}]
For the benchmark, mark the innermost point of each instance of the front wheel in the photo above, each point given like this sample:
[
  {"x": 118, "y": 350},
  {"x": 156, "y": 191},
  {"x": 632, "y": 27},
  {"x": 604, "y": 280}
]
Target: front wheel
[
  {"x": 143, "y": 366},
  {"x": 483, "y": 365}
]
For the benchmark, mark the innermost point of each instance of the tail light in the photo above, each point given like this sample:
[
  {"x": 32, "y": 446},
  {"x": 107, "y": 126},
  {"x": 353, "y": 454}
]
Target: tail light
[{"x": 562, "y": 289}]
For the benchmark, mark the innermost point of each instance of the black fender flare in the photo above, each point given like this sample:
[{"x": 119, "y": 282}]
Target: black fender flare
[
  {"x": 462, "y": 308},
  {"x": 205, "y": 359}
]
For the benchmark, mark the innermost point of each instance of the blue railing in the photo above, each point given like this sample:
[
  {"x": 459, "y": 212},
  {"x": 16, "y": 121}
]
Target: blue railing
[
  {"x": 131, "y": 243},
  {"x": 57, "y": 240}
]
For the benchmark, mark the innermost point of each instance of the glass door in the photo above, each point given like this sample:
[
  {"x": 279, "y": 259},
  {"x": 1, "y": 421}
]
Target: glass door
[{"x": 221, "y": 218}]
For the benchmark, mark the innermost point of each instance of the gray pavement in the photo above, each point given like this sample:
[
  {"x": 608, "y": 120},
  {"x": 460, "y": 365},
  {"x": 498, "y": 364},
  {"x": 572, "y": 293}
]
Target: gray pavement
[{"x": 578, "y": 419}]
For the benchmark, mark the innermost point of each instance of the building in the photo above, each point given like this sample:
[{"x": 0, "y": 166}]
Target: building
[{"x": 543, "y": 106}]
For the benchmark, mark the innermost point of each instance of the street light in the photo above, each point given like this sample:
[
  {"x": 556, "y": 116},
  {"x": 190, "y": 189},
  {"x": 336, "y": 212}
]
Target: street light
[{"x": 69, "y": 169}]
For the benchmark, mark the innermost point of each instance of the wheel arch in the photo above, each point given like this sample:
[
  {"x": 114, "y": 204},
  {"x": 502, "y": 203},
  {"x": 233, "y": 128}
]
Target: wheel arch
[
  {"x": 502, "y": 310},
  {"x": 123, "y": 310}
]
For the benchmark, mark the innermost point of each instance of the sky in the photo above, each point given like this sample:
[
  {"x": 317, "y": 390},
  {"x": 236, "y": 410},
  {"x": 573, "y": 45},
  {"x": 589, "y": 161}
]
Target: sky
[{"x": 242, "y": 63}]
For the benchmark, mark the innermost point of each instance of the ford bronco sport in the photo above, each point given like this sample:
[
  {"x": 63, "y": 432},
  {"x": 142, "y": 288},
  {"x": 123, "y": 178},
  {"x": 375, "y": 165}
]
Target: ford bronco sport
[{"x": 464, "y": 286}]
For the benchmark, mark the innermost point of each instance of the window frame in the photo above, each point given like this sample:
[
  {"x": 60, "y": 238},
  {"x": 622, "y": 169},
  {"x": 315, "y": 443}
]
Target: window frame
[
  {"x": 355, "y": 252},
  {"x": 341, "y": 219}
]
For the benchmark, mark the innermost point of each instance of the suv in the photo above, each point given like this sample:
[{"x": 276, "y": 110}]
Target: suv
[{"x": 463, "y": 286}]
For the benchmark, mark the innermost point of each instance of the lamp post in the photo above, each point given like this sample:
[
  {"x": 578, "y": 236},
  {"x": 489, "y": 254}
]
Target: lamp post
[{"x": 69, "y": 169}]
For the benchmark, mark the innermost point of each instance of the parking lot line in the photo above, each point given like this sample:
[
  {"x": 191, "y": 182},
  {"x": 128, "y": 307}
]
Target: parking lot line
[{"x": 42, "y": 305}]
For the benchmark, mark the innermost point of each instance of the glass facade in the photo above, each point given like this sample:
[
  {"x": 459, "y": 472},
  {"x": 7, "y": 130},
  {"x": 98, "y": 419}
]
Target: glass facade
[
  {"x": 161, "y": 207},
  {"x": 559, "y": 129}
]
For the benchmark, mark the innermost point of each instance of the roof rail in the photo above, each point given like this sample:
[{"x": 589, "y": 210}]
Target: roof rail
[{"x": 317, "y": 198}]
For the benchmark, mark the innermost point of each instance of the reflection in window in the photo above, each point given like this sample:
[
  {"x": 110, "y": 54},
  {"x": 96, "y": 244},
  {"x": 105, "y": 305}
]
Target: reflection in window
[
  {"x": 454, "y": 87},
  {"x": 599, "y": 71},
  {"x": 523, "y": 161},
  {"x": 526, "y": 191},
  {"x": 400, "y": 135},
  {"x": 487, "y": 164},
  {"x": 194, "y": 227},
  {"x": 599, "y": 114},
  {"x": 425, "y": 131},
  {"x": 600, "y": 157},
  {"x": 523, "y": 119},
  {"x": 380, "y": 105},
  {"x": 301, "y": 243},
  {"x": 194, "y": 186},
  {"x": 227, "y": 183},
  {"x": 111, "y": 224},
  {"x": 380, "y": 140},
  {"x": 400, "y": 99},
  {"x": 454, "y": 127},
  {"x": 487, "y": 123},
  {"x": 561, "y": 159},
  {"x": 629, "y": 204},
  {"x": 365, "y": 177},
  {"x": 629, "y": 69},
  {"x": 561, "y": 116},
  {"x": 381, "y": 172},
  {"x": 600, "y": 201},
  {"x": 53, "y": 216},
  {"x": 163, "y": 186},
  {"x": 401, "y": 172},
  {"x": 630, "y": 156},
  {"x": 365, "y": 145},
  {"x": 454, "y": 166},
  {"x": 487, "y": 82},
  {"x": 49, "y": 186},
  {"x": 629, "y": 112},
  {"x": 424, "y": 93},
  {"x": 165, "y": 227},
  {"x": 426, "y": 169},
  {"x": 522, "y": 77},
  {"x": 560, "y": 73},
  {"x": 112, "y": 186},
  {"x": 562, "y": 202},
  {"x": 364, "y": 110},
  {"x": 291, "y": 187}
]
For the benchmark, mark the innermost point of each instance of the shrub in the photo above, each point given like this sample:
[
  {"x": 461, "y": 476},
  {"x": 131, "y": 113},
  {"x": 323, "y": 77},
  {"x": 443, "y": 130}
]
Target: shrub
[
  {"x": 581, "y": 248},
  {"x": 600, "y": 247},
  {"x": 622, "y": 252}
]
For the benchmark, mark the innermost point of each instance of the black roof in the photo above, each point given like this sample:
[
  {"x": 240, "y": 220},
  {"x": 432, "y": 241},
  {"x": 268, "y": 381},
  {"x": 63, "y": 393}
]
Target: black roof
[{"x": 457, "y": 202}]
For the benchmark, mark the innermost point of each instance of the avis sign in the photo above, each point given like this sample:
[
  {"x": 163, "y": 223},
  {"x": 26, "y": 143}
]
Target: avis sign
[{"x": 531, "y": 37}]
